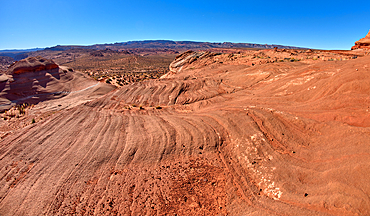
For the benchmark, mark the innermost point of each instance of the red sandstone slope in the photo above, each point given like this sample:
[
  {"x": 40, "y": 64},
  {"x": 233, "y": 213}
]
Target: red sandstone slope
[
  {"x": 215, "y": 136},
  {"x": 36, "y": 79},
  {"x": 33, "y": 65},
  {"x": 363, "y": 43}
]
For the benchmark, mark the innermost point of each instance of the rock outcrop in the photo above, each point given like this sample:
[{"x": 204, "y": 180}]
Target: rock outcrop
[
  {"x": 36, "y": 79},
  {"x": 363, "y": 43},
  {"x": 32, "y": 64},
  {"x": 187, "y": 58}
]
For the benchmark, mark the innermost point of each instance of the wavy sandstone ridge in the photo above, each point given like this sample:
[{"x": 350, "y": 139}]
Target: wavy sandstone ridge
[
  {"x": 213, "y": 137},
  {"x": 32, "y": 64}
]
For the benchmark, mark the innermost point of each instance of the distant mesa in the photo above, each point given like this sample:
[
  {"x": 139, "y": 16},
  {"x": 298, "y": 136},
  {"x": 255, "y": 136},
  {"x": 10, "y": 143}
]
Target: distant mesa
[
  {"x": 363, "y": 43},
  {"x": 168, "y": 44}
]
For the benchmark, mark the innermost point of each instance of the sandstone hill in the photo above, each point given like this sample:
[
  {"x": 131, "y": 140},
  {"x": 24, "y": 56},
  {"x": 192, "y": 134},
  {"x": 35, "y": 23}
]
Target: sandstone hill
[
  {"x": 36, "y": 79},
  {"x": 363, "y": 43},
  {"x": 273, "y": 132}
]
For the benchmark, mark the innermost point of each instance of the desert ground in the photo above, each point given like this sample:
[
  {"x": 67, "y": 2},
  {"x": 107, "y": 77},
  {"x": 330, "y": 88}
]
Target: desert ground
[{"x": 222, "y": 131}]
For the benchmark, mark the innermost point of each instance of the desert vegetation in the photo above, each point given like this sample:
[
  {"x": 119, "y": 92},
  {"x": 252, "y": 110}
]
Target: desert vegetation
[
  {"x": 17, "y": 111},
  {"x": 114, "y": 67}
]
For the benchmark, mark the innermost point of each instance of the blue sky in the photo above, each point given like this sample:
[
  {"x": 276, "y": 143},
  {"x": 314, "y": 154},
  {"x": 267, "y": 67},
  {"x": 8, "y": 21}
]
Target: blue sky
[{"x": 314, "y": 24}]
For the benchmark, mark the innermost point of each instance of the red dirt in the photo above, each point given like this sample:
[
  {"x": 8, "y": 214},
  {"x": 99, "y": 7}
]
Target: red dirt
[{"x": 215, "y": 136}]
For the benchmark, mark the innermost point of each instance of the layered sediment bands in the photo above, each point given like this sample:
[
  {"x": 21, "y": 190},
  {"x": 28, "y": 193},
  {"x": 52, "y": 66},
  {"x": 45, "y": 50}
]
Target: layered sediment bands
[
  {"x": 363, "y": 43},
  {"x": 276, "y": 139},
  {"x": 36, "y": 79},
  {"x": 166, "y": 93},
  {"x": 32, "y": 64}
]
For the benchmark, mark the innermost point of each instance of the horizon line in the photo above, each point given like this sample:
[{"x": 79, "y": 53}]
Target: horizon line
[{"x": 108, "y": 43}]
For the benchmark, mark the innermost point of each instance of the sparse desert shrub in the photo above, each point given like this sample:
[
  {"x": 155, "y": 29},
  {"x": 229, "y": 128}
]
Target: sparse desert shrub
[
  {"x": 21, "y": 109},
  {"x": 158, "y": 107},
  {"x": 33, "y": 121}
]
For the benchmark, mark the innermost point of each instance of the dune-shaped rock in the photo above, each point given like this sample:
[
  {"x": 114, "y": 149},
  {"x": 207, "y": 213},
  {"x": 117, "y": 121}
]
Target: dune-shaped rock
[
  {"x": 36, "y": 79},
  {"x": 363, "y": 43},
  {"x": 185, "y": 59},
  {"x": 32, "y": 64}
]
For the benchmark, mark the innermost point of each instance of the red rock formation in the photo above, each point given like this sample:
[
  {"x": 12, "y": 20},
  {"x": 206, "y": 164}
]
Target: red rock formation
[
  {"x": 36, "y": 79},
  {"x": 32, "y": 64},
  {"x": 287, "y": 138},
  {"x": 363, "y": 43}
]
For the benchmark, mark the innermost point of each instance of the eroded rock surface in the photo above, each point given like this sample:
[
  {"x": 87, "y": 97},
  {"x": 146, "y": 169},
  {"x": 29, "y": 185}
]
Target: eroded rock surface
[
  {"x": 31, "y": 65},
  {"x": 36, "y": 79},
  {"x": 218, "y": 137},
  {"x": 363, "y": 43}
]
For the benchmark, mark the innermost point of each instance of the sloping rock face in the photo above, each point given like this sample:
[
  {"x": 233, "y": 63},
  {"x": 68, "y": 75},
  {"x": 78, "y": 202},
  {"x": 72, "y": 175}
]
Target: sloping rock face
[
  {"x": 35, "y": 79},
  {"x": 185, "y": 59},
  {"x": 33, "y": 65},
  {"x": 287, "y": 138},
  {"x": 363, "y": 43}
]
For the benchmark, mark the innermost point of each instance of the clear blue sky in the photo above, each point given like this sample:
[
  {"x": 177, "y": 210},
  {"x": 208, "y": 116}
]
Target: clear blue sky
[{"x": 314, "y": 24}]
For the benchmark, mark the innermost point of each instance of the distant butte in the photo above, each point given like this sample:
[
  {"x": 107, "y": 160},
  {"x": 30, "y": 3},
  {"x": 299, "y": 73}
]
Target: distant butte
[{"x": 363, "y": 43}]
